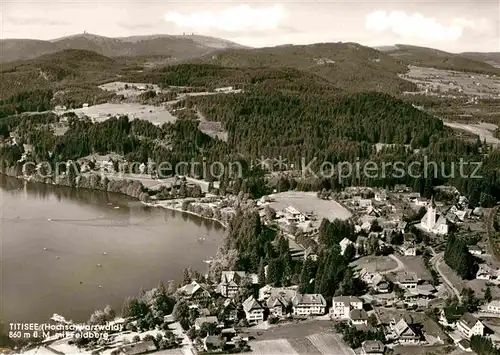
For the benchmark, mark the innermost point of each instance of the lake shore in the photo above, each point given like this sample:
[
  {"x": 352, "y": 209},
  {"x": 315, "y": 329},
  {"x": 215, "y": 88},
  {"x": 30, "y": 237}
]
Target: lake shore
[
  {"x": 128, "y": 187},
  {"x": 167, "y": 204}
]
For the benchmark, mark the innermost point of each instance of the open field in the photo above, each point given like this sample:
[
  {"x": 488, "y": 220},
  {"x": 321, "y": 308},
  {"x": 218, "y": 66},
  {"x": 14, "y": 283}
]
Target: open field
[
  {"x": 459, "y": 83},
  {"x": 132, "y": 89},
  {"x": 416, "y": 264},
  {"x": 267, "y": 347},
  {"x": 292, "y": 330},
  {"x": 155, "y": 114},
  {"x": 304, "y": 346},
  {"x": 424, "y": 350},
  {"x": 307, "y": 202},
  {"x": 375, "y": 263},
  {"x": 330, "y": 344},
  {"x": 483, "y": 130}
]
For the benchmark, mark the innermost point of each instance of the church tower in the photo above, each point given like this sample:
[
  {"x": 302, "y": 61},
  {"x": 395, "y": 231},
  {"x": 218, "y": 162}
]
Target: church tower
[{"x": 431, "y": 215}]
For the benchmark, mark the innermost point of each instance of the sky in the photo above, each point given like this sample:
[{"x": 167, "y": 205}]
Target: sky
[{"x": 455, "y": 26}]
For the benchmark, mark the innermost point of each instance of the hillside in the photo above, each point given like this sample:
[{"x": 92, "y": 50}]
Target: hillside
[
  {"x": 349, "y": 66},
  {"x": 176, "y": 47},
  {"x": 71, "y": 70},
  {"x": 433, "y": 58},
  {"x": 492, "y": 58}
]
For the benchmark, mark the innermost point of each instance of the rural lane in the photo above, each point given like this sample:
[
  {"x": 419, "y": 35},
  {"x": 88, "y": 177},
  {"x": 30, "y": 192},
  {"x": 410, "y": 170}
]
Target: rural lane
[
  {"x": 436, "y": 260},
  {"x": 400, "y": 267}
]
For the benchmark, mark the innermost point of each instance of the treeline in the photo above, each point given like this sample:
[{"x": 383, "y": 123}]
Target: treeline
[
  {"x": 458, "y": 257},
  {"x": 26, "y": 101}
]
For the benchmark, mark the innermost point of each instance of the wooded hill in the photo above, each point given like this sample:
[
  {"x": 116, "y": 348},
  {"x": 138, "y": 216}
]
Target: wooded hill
[
  {"x": 349, "y": 66},
  {"x": 433, "y": 58},
  {"x": 175, "y": 47}
]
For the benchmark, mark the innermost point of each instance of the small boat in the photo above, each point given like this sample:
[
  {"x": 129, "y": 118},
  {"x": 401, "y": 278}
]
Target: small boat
[
  {"x": 100, "y": 286},
  {"x": 99, "y": 265},
  {"x": 58, "y": 257},
  {"x": 48, "y": 219},
  {"x": 44, "y": 248},
  {"x": 104, "y": 253},
  {"x": 117, "y": 207}
]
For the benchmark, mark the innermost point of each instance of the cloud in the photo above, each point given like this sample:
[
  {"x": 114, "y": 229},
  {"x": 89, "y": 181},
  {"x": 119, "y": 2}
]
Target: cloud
[
  {"x": 416, "y": 26},
  {"x": 237, "y": 18}
]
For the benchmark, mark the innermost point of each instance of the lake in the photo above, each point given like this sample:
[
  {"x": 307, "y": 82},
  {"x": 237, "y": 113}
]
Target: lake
[{"x": 53, "y": 239}]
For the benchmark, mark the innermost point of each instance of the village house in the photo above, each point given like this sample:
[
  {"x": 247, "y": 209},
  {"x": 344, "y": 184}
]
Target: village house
[
  {"x": 344, "y": 243},
  {"x": 358, "y": 317},
  {"x": 485, "y": 272},
  {"x": 407, "y": 280},
  {"x": 293, "y": 216},
  {"x": 342, "y": 306},
  {"x": 469, "y": 325},
  {"x": 308, "y": 304},
  {"x": 408, "y": 249},
  {"x": 254, "y": 312},
  {"x": 372, "y": 347},
  {"x": 194, "y": 291},
  {"x": 277, "y": 306},
  {"x": 231, "y": 281},
  {"x": 140, "y": 347},
  {"x": 380, "y": 284},
  {"x": 405, "y": 333},
  {"x": 269, "y": 291},
  {"x": 475, "y": 250},
  {"x": 230, "y": 310},
  {"x": 367, "y": 276},
  {"x": 493, "y": 307}
]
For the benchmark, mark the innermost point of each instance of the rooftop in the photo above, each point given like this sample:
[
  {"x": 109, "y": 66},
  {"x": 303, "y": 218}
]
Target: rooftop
[
  {"x": 358, "y": 314},
  {"x": 347, "y": 300},
  {"x": 373, "y": 346},
  {"x": 407, "y": 277},
  {"x": 250, "y": 304},
  {"x": 469, "y": 320},
  {"x": 308, "y": 299}
]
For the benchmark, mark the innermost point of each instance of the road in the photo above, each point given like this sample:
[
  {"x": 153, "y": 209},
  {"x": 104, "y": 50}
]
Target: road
[{"x": 436, "y": 261}]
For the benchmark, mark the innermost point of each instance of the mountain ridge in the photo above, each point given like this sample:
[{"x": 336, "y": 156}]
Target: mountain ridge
[{"x": 178, "y": 47}]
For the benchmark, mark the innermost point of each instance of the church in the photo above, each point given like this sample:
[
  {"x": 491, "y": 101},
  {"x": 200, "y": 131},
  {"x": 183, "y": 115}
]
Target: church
[{"x": 432, "y": 222}]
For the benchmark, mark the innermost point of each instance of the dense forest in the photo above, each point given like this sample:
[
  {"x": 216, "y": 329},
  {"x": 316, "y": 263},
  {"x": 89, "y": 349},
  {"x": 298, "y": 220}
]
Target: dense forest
[
  {"x": 458, "y": 257},
  {"x": 296, "y": 117}
]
